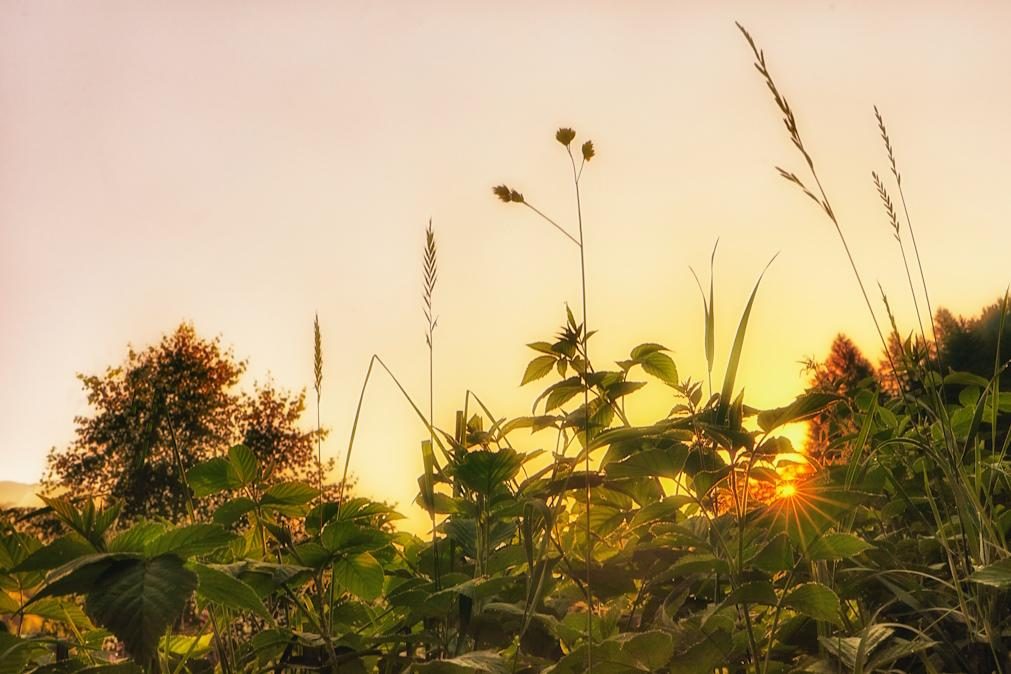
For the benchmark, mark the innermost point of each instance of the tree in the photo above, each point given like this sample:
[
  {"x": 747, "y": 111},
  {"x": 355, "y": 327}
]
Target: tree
[
  {"x": 163, "y": 410},
  {"x": 843, "y": 371}
]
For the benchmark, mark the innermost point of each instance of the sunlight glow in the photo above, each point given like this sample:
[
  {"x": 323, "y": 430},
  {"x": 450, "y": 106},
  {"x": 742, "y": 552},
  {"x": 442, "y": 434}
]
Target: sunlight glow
[{"x": 785, "y": 490}]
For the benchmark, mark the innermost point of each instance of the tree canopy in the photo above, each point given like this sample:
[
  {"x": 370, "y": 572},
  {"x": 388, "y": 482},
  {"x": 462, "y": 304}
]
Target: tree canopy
[{"x": 166, "y": 408}]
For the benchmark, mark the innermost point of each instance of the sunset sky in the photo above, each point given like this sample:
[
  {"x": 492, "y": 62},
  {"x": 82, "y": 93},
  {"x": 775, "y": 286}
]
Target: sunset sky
[{"x": 242, "y": 165}]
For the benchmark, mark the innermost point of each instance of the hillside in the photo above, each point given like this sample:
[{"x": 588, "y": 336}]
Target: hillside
[{"x": 18, "y": 495}]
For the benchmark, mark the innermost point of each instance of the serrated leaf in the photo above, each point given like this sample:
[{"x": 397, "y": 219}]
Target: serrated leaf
[
  {"x": 288, "y": 494},
  {"x": 190, "y": 540},
  {"x": 137, "y": 600},
  {"x": 815, "y": 601},
  {"x": 244, "y": 463},
  {"x": 55, "y": 554},
  {"x": 835, "y": 546},
  {"x": 804, "y": 407},
  {"x": 537, "y": 368},
  {"x": 997, "y": 574},
  {"x": 658, "y": 462},
  {"x": 211, "y": 477},
  {"x": 776, "y": 555},
  {"x": 361, "y": 575},
  {"x": 222, "y": 588},
  {"x": 661, "y": 366}
]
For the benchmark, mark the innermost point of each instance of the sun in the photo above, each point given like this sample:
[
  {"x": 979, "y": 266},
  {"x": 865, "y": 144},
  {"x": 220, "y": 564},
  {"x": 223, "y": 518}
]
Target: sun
[{"x": 785, "y": 490}]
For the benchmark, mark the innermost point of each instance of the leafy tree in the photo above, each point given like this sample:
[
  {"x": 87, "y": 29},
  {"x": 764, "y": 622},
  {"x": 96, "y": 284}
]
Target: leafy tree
[
  {"x": 163, "y": 410},
  {"x": 843, "y": 371},
  {"x": 970, "y": 344}
]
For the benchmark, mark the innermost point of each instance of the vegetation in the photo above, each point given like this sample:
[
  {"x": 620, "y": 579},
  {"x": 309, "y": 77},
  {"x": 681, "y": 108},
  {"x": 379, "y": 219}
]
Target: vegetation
[
  {"x": 167, "y": 408},
  {"x": 698, "y": 543}
]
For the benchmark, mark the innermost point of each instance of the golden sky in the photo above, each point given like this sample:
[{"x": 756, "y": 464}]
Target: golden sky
[{"x": 244, "y": 164}]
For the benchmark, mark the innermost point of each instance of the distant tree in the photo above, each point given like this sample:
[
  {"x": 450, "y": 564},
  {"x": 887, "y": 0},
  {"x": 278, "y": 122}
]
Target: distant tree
[
  {"x": 970, "y": 344},
  {"x": 843, "y": 371},
  {"x": 166, "y": 408}
]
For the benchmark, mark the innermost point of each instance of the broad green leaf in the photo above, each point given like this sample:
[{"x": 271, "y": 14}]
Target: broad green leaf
[
  {"x": 60, "y": 610},
  {"x": 997, "y": 574},
  {"x": 651, "y": 651},
  {"x": 804, "y": 407},
  {"x": 348, "y": 538},
  {"x": 361, "y": 575},
  {"x": 776, "y": 555},
  {"x": 537, "y": 368},
  {"x": 835, "y": 546},
  {"x": 229, "y": 512},
  {"x": 288, "y": 494},
  {"x": 55, "y": 554},
  {"x": 659, "y": 462},
  {"x": 485, "y": 471},
  {"x": 212, "y": 476},
  {"x": 137, "y": 537},
  {"x": 661, "y": 366},
  {"x": 754, "y": 592},
  {"x": 137, "y": 600},
  {"x": 699, "y": 562},
  {"x": 227, "y": 590},
  {"x": 79, "y": 576},
  {"x": 244, "y": 463},
  {"x": 815, "y": 601},
  {"x": 189, "y": 541}
]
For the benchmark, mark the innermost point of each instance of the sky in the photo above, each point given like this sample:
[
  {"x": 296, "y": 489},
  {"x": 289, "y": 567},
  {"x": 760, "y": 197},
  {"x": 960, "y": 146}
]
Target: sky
[{"x": 243, "y": 165}]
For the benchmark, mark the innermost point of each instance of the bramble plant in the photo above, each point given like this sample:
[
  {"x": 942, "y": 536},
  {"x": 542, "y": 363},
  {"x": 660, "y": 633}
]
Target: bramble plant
[{"x": 699, "y": 543}]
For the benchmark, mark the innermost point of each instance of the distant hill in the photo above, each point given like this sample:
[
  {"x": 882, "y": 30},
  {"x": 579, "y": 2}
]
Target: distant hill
[{"x": 19, "y": 495}]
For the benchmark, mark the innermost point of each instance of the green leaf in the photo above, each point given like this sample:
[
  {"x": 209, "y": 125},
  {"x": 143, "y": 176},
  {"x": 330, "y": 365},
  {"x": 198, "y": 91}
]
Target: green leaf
[
  {"x": 244, "y": 463},
  {"x": 57, "y": 553},
  {"x": 288, "y": 494},
  {"x": 699, "y": 562},
  {"x": 229, "y": 512},
  {"x": 997, "y": 574},
  {"x": 475, "y": 661},
  {"x": 661, "y": 366},
  {"x": 80, "y": 575},
  {"x": 815, "y": 601},
  {"x": 537, "y": 368},
  {"x": 755, "y": 592},
  {"x": 212, "y": 476},
  {"x": 349, "y": 538},
  {"x": 227, "y": 590},
  {"x": 835, "y": 546},
  {"x": 804, "y": 407},
  {"x": 776, "y": 555},
  {"x": 137, "y": 600},
  {"x": 361, "y": 575},
  {"x": 485, "y": 471},
  {"x": 137, "y": 537},
  {"x": 659, "y": 462},
  {"x": 651, "y": 651},
  {"x": 560, "y": 393},
  {"x": 60, "y": 610},
  {"x": 189, "y": 541}
]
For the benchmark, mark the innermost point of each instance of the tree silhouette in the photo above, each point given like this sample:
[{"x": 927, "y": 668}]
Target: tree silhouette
[
  {"x": 844, "y": 371},
  {"x": 166, "y": 408}
]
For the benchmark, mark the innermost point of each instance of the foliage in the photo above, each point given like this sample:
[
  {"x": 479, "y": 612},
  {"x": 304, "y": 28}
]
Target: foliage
[
  {"x": 709, "y": 548},
  {"x": 163, "y": 410}
]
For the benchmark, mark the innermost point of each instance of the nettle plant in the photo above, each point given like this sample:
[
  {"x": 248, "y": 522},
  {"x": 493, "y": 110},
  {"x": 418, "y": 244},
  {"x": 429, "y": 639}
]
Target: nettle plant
[{"x": 697, "y": 543}]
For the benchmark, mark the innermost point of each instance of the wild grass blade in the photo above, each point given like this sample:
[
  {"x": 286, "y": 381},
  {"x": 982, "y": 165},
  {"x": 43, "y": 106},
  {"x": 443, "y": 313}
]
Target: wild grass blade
[{"x": 735, "y": 353}]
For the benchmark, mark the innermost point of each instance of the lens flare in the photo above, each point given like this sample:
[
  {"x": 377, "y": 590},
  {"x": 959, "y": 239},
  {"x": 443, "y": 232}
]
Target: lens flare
[{"x": 785, "y": 490}]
